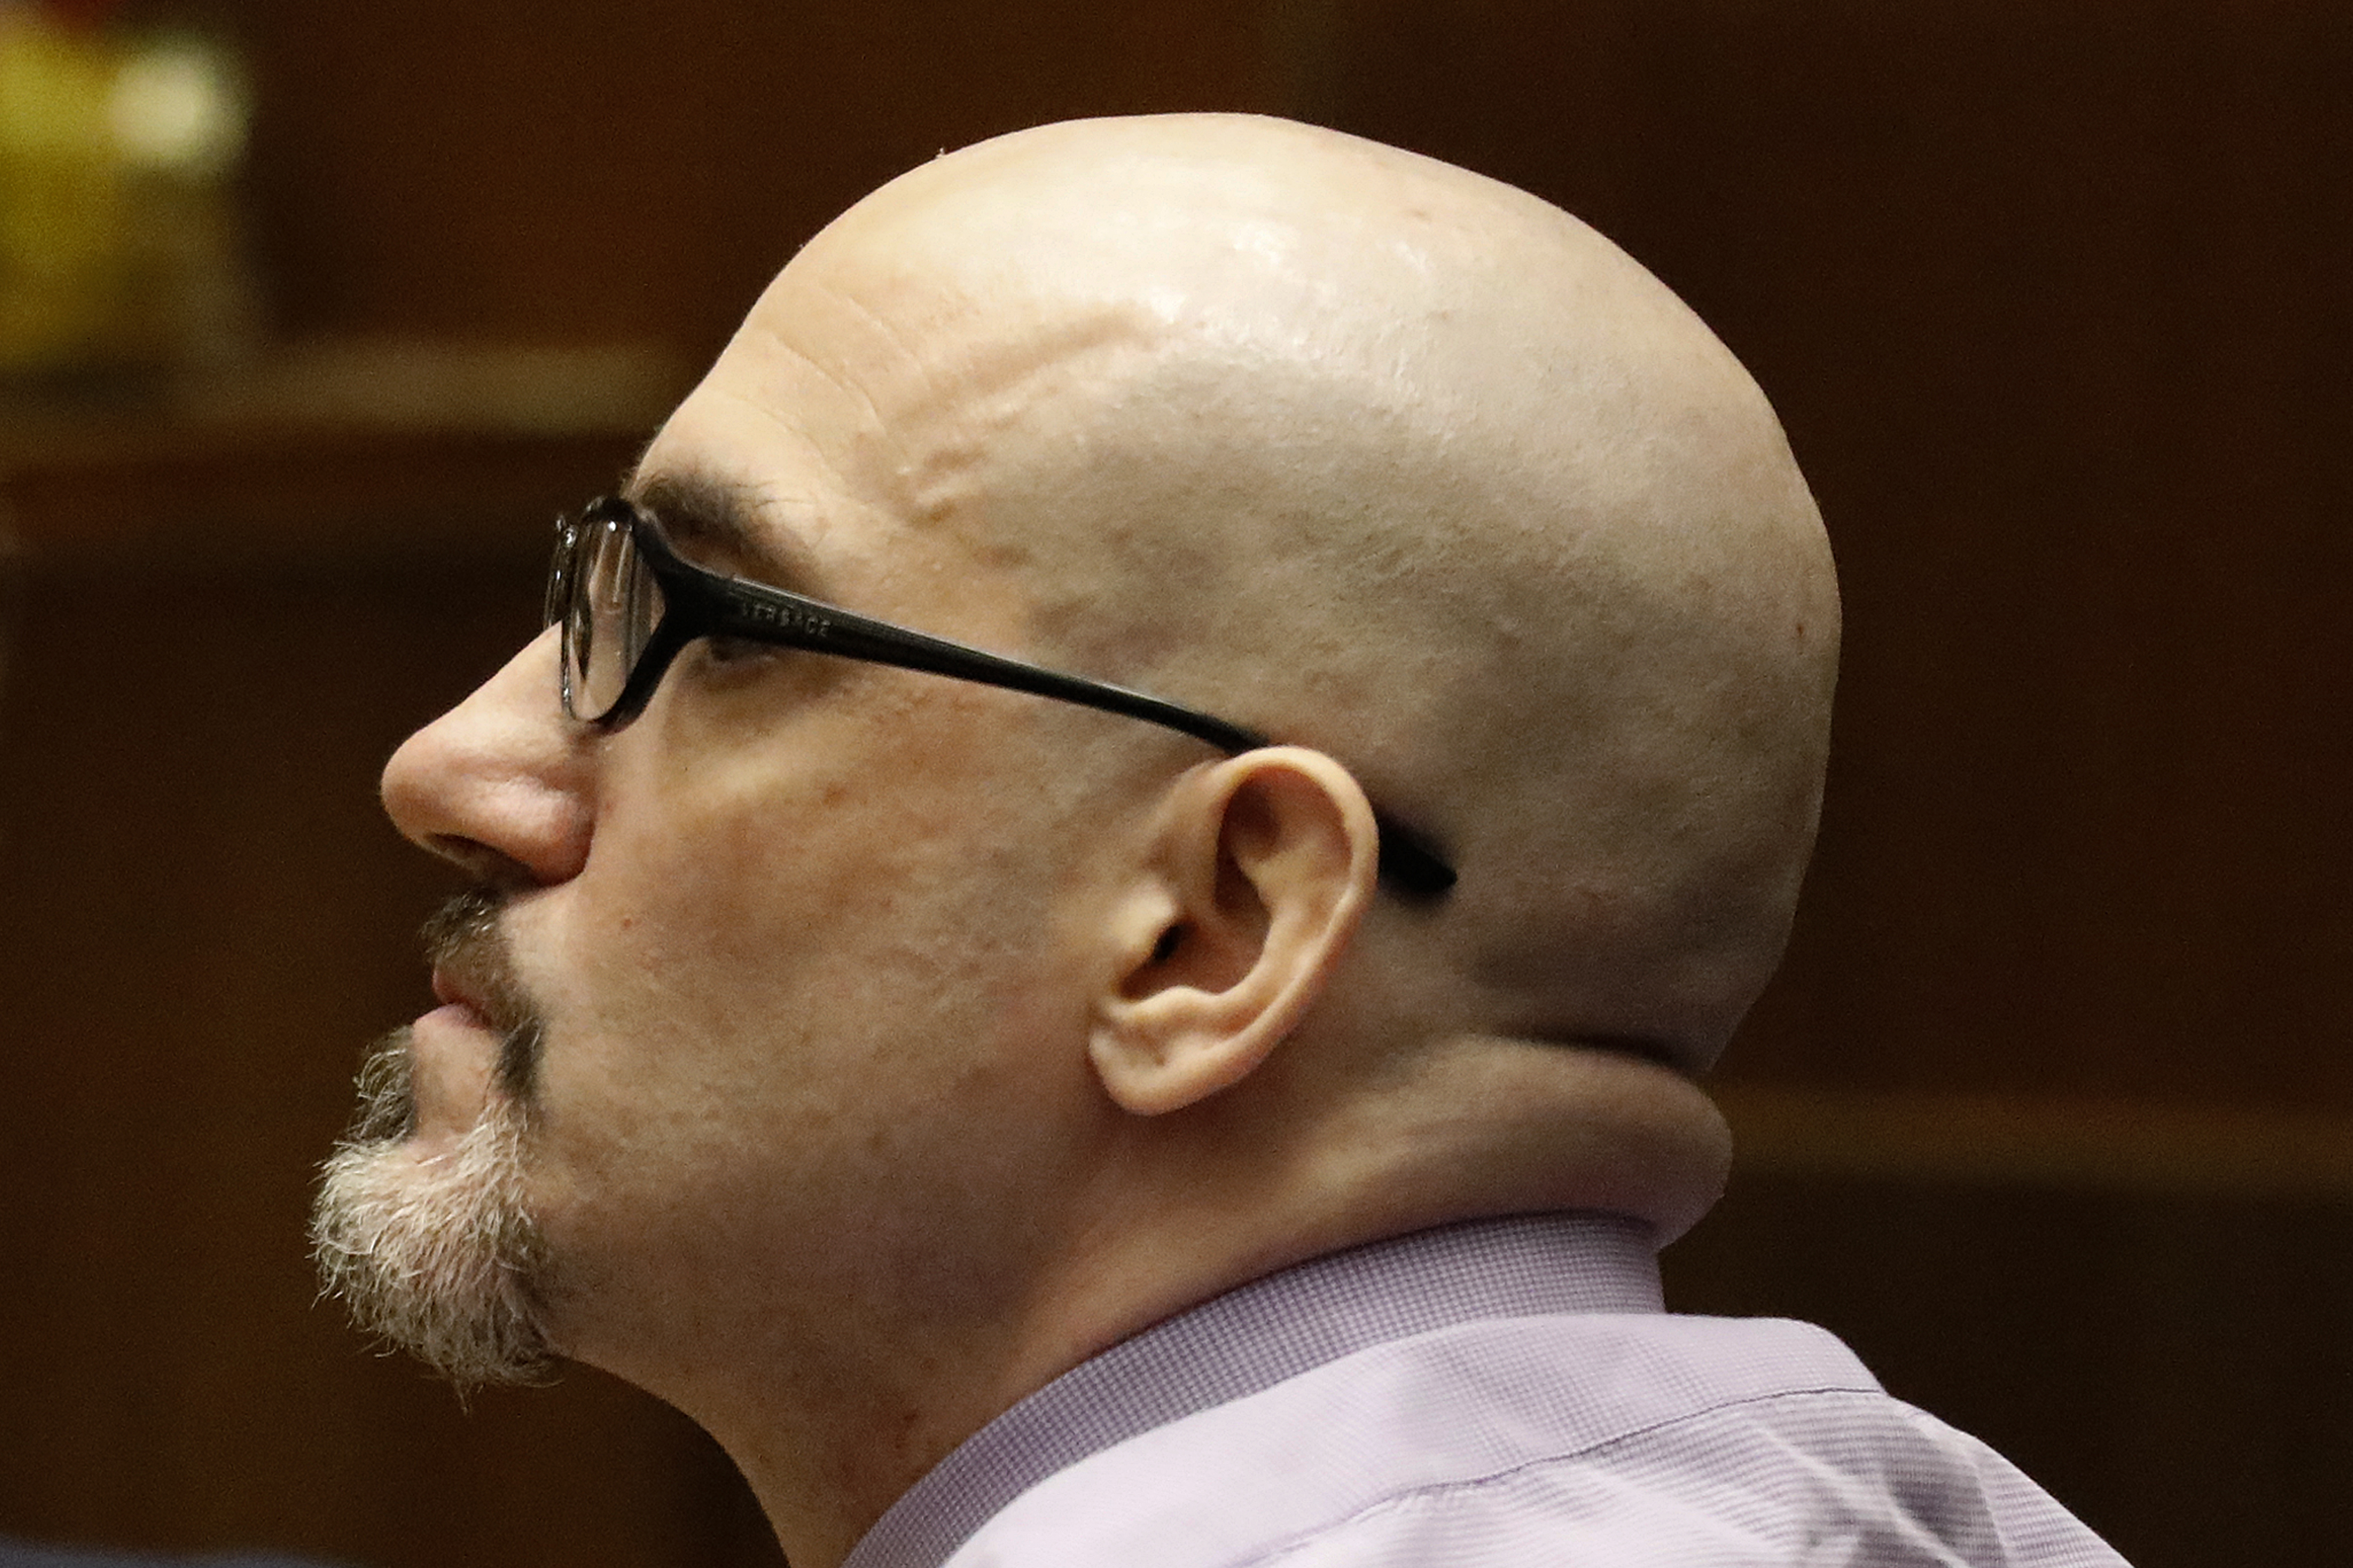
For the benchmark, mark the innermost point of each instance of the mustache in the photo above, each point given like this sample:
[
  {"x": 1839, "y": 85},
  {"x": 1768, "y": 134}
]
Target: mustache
[{"x": 465, "y": 941}]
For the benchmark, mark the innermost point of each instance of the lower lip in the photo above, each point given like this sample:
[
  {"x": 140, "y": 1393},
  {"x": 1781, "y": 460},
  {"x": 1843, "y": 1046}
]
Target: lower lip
[
  {"x": 452, "y": 1051},
  {"x": 455, "y": 1016}
]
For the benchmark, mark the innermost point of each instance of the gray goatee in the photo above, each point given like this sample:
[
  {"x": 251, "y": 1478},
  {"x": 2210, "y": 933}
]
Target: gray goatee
[{"x": 440, "y": 1256}]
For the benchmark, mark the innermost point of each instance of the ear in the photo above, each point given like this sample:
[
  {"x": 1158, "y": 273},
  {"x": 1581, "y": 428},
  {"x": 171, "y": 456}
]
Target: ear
[{"x": 1261, "y": 867}]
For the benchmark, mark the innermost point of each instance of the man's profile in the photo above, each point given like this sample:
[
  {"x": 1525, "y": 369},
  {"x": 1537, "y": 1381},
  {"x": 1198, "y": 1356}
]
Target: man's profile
[{"x": 1099, "y": 909}]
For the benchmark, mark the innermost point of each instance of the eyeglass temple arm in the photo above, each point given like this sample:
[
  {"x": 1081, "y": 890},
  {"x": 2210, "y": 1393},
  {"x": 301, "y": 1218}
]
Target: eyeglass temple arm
[{"x": 1408, "y": 861}]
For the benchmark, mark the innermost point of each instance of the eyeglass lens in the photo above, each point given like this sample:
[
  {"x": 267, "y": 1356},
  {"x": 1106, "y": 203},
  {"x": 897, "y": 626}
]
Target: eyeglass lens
[{"x": 613, "y": 606}]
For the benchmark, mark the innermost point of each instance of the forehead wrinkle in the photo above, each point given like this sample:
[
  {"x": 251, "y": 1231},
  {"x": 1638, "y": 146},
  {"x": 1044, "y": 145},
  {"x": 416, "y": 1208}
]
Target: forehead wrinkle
[
  {"x": 948, "y": 354},
  {"x": 945, "y": 385},
  {"x": 792, "y": 325},
  {"x": 880, "y": 323}
]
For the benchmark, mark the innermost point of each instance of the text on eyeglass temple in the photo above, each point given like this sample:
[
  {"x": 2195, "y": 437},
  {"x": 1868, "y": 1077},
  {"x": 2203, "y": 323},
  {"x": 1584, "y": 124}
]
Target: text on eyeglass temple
[{"x": 792, "y": 618}]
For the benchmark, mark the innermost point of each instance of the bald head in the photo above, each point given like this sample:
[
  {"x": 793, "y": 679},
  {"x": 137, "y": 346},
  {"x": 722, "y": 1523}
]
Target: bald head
[{"x": 1384, "y": 458}]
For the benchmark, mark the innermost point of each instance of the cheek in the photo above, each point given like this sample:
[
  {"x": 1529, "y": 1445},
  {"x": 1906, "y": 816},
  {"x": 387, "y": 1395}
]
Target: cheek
[{"x": 778, "y": 989}]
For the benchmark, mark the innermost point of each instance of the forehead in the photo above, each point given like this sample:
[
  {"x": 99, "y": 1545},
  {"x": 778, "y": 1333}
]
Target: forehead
[
  {"x": 874, "y": 413},
  {"x": 811, "y": 458},
  {"x": 781, "y": 455}
]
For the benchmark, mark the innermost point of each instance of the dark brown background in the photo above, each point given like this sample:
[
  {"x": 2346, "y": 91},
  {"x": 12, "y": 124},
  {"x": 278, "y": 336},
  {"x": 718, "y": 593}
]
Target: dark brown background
[{"x": 2051, "y": 1112}]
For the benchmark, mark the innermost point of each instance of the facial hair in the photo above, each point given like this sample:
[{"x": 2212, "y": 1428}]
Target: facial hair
[{"x": 441, "y": 1255}]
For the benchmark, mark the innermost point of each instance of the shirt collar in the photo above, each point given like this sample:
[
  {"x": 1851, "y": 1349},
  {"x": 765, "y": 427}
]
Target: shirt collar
[{"x": 1254, "y": 1337}]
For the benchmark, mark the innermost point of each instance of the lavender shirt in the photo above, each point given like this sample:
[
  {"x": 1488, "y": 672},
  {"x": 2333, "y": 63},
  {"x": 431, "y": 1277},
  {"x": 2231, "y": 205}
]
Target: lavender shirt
[{"x": 1501, "y": 1392}]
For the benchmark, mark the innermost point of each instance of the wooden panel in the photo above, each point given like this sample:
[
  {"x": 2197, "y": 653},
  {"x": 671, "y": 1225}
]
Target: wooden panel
[
  {"x": 2173, "y": 1369},
  {"x": 601, "y": 168},
  {"x": 2147, "y": 1148}
]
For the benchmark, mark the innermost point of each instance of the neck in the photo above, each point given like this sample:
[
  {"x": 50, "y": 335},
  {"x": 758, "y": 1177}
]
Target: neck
[
  {"x": 1192, "y": 1204},
  {"x": 1473, "y": 1127}
]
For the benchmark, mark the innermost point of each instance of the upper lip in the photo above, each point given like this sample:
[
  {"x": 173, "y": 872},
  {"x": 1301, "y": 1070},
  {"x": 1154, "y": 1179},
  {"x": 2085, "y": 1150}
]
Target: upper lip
[{"x": 451, "y": 986}]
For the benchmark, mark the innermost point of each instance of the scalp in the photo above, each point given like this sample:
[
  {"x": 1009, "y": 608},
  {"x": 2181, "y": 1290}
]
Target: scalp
[{"x": 1387, "y": 459}]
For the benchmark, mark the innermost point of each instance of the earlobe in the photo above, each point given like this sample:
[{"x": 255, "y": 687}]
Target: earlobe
[{"x": 1261, "y": 868}]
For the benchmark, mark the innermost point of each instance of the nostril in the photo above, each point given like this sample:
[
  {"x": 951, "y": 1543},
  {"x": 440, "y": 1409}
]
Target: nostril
[{"x": 493, "y": 867}]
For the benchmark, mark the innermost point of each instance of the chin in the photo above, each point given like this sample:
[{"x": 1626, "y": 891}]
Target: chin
[{"x": 429, "y": 1238}]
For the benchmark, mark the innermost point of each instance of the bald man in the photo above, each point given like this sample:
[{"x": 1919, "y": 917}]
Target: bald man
[{"x": 1099, "y": 909}]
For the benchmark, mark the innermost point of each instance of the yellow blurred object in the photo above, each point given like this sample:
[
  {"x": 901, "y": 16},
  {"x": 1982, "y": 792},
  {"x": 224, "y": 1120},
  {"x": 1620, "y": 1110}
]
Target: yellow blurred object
[{"x": 119, "y": 245}]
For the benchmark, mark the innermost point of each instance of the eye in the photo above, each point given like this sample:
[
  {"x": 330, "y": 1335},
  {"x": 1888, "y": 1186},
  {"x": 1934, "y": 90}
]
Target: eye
[{"x": 726, "y": 651}]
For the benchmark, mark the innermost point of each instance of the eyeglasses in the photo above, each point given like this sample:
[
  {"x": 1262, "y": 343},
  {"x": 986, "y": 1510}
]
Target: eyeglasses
[{"x": 629, "y": 604}]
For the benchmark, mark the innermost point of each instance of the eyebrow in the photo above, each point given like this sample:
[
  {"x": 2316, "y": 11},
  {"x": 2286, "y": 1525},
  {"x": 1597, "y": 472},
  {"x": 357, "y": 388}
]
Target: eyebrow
[{"x": 703, "y": 514}]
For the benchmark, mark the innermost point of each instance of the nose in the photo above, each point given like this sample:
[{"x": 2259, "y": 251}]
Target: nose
[{"x": 498, "y": 785}]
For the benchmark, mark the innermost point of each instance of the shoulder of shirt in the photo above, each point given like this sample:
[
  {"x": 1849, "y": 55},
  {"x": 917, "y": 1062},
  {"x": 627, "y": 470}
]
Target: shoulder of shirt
[{"x": 1614, "y": 1440}]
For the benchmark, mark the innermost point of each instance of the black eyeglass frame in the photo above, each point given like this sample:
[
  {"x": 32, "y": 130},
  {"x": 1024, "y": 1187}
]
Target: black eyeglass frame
[{"x": 699, "y": 603}]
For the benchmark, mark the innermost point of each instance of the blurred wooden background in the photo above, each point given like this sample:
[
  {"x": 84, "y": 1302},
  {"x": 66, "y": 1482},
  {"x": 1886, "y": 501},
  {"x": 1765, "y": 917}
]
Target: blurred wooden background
[{"x": 2051, "y": 1112}]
